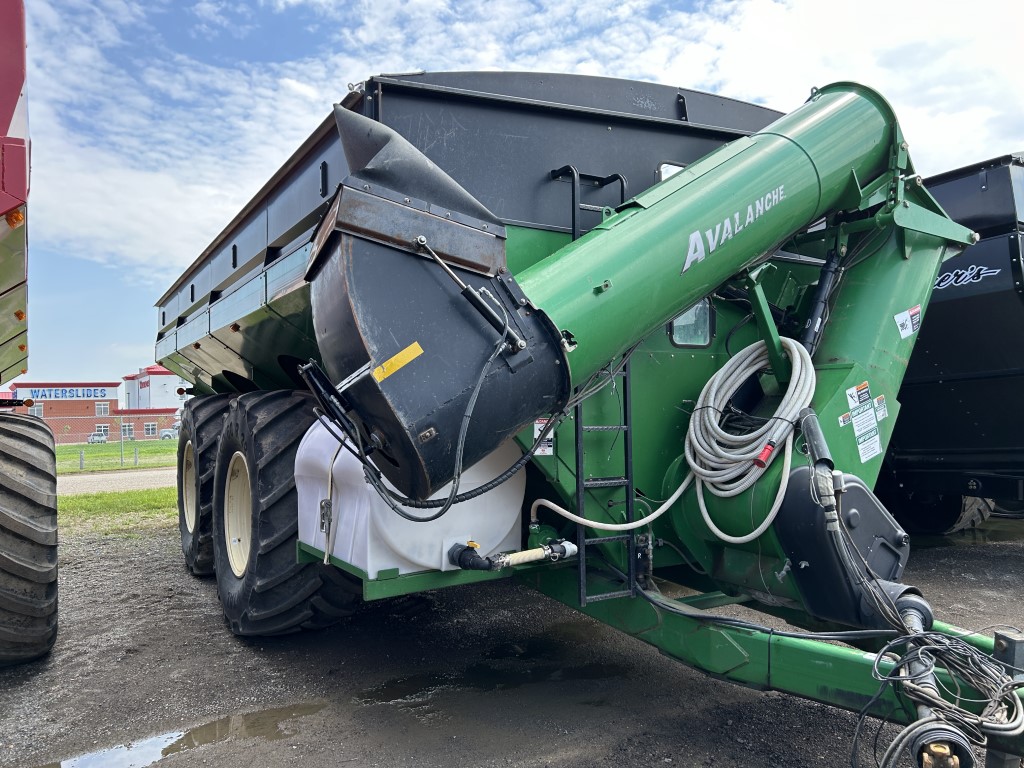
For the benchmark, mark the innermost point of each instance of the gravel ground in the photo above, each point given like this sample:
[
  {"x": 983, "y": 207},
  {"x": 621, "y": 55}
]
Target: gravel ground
[
  {"x": 120, "y": 480},
  {"x": 144, "y": 671}
]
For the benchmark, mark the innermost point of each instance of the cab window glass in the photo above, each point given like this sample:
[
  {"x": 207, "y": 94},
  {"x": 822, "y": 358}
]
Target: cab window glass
[{"x": 693, "y": 327}]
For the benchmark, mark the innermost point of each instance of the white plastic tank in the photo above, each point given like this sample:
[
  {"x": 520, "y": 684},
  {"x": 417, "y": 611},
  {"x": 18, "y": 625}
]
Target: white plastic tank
[{"x": 374, "y": 538}]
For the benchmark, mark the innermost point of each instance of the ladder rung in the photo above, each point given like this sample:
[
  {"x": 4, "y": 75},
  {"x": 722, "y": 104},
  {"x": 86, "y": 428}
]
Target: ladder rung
[
  {"x": 607, "y": 539},
  {"x": 609, "y": 595},
  {"x": 605, "y": 482},
  {"x": 606, "y": 428}
]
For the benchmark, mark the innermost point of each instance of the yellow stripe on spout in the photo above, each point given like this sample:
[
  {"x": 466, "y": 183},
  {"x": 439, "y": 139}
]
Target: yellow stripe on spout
[{"x": 404, "y": 357}]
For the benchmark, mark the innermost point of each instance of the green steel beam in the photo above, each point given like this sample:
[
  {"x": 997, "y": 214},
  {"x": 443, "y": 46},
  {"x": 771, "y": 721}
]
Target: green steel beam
[
  {"x": 781, "y": 368},
  {"x": 390, "y": 583},
  {"x": 832, "y": 674}
]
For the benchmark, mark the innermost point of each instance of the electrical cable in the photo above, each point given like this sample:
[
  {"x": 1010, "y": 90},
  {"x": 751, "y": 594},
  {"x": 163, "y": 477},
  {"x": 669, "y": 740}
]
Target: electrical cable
[
  {"x": 547, "y": 504},
  {"x": 377, "y": 483},
  {"x": 915, "y": 675},
  {"x": 671, "y": 606},
  {"x": 603, "y": 377},
  {"x": 729, "y": 463}
]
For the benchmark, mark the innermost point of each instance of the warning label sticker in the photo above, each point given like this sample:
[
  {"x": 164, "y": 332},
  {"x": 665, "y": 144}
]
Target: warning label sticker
[
  {"x": 858, "y": 395},
  {"x": 864, "y": 417},
  {"x": 908, "y": 322},
  {"x": 880, "y": 410},
  {"x": 547, "y": 448}
]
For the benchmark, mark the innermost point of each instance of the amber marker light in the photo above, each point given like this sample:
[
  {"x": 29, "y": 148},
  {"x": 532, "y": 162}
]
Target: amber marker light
[
  {"x": 15, "y": 218},
  {"x": 19, "y": 315}
]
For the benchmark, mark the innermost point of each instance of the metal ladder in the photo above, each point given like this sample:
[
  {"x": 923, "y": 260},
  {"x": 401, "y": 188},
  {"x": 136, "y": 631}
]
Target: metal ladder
[{"x": 625, "y": 480}]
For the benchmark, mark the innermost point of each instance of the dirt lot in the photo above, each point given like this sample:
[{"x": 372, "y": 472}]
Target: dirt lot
[{"x": 144, "y": 671}]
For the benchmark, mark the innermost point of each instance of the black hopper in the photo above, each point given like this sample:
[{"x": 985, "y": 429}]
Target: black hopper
[{"x": 408, "y": 274}]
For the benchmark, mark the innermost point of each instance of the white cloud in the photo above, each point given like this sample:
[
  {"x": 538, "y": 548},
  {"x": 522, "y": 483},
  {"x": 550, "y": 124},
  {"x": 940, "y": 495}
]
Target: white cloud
[
  {"x": 142, "y": 154},
  {"x": 143, "y": 149}
]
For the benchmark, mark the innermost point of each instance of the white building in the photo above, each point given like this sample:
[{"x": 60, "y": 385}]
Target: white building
[{"x": 153, "y": 387}]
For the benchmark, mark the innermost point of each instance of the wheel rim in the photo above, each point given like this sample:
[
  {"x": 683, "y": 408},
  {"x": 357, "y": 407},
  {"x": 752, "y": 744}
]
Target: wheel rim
[
  {"x": 188, "y": 486},
  {"x": 238, "y": 514}
]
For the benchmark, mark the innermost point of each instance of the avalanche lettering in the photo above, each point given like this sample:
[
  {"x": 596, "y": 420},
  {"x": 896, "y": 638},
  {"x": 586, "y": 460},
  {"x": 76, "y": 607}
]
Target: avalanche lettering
[{"x": 704, "y": 242}]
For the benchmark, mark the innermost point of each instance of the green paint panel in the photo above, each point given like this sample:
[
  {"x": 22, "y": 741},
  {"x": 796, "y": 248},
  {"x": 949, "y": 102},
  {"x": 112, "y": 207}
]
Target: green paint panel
[
  {"x": 832, "y": 674},
  {"x": 393, "y": 585},
  {"x": 675, "y": 243}
]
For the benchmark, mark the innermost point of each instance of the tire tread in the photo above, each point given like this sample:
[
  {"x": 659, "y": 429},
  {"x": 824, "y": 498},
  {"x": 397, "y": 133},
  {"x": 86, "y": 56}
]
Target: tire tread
[
  {"x": 28, "y": 539},
  {"x": 278, "y": 594}
]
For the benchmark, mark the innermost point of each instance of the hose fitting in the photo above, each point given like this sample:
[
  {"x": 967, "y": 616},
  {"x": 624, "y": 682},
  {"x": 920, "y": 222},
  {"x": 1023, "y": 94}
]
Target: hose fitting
[
  {"x": 465, "y": 556},
  {"x": 766, "y": 453}
]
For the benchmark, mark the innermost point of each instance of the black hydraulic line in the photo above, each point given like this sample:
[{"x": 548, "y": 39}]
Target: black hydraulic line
[
  {"x": 815, "y": 439},
  {"x": 467, "y": 558},
  {"x": 335, "y": 410},
  {"x": 819, "y": 307},
  {"x": 671, "y": 606},
  {"x": 473, "y": 296},
  {"x": 553, "y": 422}
]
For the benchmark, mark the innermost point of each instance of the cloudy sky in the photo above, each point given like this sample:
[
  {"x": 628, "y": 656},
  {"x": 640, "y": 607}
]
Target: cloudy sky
[{"x": 154, "y": 121}]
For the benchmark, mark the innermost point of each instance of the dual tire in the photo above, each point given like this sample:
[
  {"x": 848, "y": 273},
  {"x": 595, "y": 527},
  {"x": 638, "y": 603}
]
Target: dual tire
[
  {"x": 932, "y": 513},
  {"x": 253, "y": 515},
  {"x": 201, "y": 423}
]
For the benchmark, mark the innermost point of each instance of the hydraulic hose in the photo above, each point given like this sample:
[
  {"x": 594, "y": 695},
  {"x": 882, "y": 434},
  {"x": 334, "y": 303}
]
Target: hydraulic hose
[
  {"x": 613, "y": 526},
  {"x": 726, "y": 463}
]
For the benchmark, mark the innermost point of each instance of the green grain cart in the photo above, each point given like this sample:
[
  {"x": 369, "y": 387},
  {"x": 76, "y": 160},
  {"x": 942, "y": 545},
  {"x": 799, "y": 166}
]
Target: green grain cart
[{"x": 619, "y": 341}]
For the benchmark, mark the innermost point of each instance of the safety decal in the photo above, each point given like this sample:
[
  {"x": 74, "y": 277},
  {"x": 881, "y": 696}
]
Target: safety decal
[
  {"x": 547, "y": 448},
  {"x": 881, "y": 411},
  {"x": 864, "y": 416},
  {"x": 908, "y": 322},
  {"x": 398, "y": 361}
]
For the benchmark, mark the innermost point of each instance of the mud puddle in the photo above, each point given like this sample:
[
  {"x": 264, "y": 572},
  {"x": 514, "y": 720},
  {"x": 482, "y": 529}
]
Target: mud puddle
[
  {"x": 266, "y": 724},
  {"x": 502, "y": 669},
  {"x": 992, "y": 531}
]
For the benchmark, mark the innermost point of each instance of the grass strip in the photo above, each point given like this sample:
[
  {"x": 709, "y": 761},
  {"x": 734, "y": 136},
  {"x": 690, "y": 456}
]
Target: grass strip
[
  {"x": 83, "y": 457},
  {"x": 118, "y": 513}
]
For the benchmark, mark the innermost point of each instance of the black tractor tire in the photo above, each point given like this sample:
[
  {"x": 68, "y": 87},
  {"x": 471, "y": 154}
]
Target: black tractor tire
[
  {"x": 936, "y": 514},
  {"x": 263, "y": 589},
  {"x": 201, "y": 421},
  {"x": 28, "y": 539}
]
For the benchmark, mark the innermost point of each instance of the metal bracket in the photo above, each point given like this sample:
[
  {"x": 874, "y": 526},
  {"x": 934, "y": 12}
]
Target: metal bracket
[
  {"x": 508, "y": 282},
  {"x": 769, "y": 332}
]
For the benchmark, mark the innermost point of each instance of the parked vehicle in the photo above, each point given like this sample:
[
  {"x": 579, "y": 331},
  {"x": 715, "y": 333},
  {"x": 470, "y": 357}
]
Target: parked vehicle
[
  {"x": 28, "y": 466},
  {"x": 462, "y": 335},
  {"x": 97, "y": 437},
  {"x": 168, "y": 434}
]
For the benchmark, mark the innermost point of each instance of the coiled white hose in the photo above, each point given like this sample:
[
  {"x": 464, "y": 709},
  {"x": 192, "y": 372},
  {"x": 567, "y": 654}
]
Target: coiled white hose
[{"x": 724, "y": 462}]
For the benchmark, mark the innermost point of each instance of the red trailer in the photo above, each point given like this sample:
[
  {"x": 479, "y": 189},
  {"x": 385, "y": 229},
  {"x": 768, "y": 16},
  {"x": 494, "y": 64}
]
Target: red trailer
[{"x": 28, "y": 481}]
